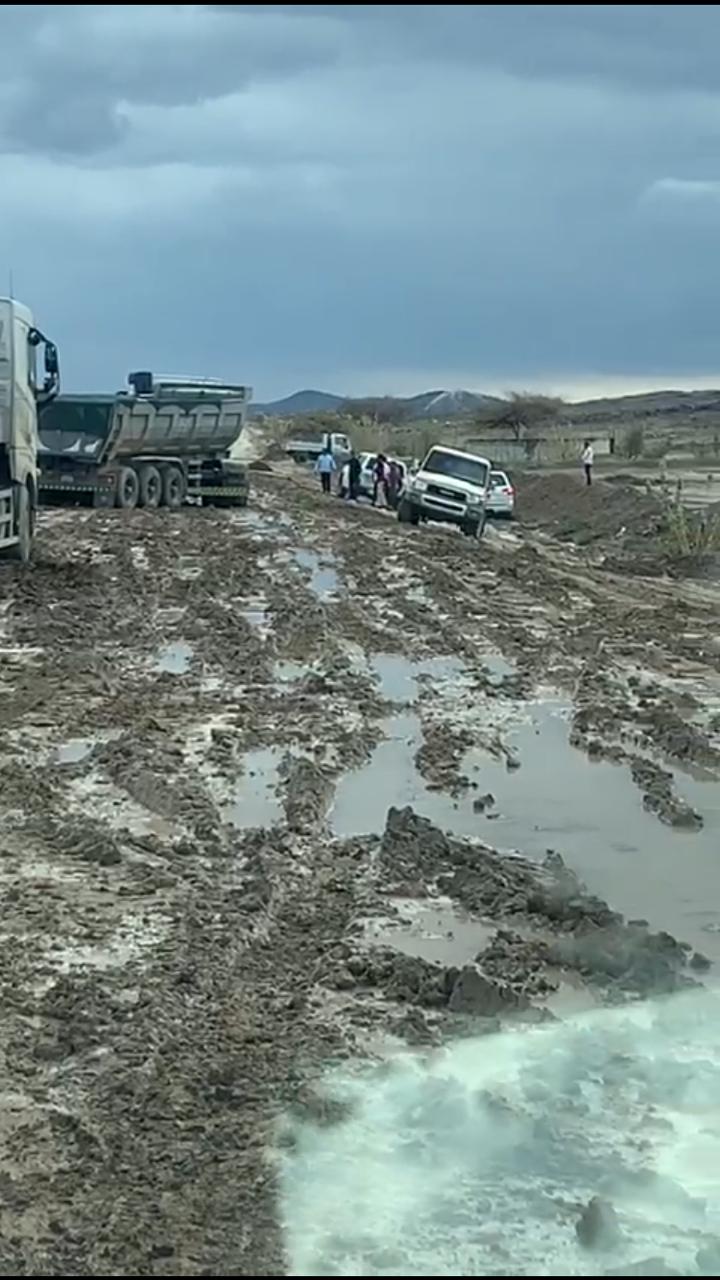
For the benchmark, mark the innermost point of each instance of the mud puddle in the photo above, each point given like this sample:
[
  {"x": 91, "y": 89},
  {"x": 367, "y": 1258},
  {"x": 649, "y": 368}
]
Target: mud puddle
[
  {"x": 444, "y": 934},
  {"x": 399, "y": 677},
  {"x": 255, "y": 801},
  {"x": 389, "y": 778},
  {"x": 498, "y": 668},
  {"x": 590, "y": 812},
  {"x": 435, "y": 931},
  {"x": 285, "y": 671},
  {"x": 324, "y": 578},
  {"x": 175, "y": 658}
]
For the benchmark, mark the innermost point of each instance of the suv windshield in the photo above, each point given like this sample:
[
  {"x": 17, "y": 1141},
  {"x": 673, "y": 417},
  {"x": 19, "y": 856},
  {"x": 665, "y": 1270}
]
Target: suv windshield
[{"x": 473, "y": 470}]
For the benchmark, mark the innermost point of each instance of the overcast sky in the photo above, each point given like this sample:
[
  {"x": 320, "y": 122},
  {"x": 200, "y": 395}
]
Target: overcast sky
[{"x": 367, "y": 197}]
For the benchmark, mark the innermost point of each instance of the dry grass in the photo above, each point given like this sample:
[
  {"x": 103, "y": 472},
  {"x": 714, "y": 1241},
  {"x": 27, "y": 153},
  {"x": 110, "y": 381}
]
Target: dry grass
[{"x": 692, "y": 534}]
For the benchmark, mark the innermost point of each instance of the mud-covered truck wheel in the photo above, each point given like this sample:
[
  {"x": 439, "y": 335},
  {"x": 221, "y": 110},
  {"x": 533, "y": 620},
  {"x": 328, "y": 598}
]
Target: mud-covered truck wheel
[
  {"x": 128, "y": 488},
  {"x": 151, "y": 486},
  {"x": 174, "y": 487},
  {"x": 21, "y": 550}
]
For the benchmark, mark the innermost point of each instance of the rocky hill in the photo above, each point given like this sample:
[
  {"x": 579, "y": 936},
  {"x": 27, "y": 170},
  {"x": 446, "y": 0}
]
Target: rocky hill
[{"x": 428, "y": 404}]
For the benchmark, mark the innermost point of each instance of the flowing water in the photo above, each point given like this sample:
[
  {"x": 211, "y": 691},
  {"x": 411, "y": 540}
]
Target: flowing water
[{"x": 477, "y": 1159}]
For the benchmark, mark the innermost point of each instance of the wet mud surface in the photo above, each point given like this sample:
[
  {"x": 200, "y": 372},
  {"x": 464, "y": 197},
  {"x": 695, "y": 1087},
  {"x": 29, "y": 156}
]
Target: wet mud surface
[{"x": 281, "y": 787}]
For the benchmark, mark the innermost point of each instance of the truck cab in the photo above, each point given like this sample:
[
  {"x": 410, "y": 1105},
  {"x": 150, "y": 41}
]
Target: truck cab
[
  {"x": 23, "y": 390},
  {"x": 451, "y": 486}
]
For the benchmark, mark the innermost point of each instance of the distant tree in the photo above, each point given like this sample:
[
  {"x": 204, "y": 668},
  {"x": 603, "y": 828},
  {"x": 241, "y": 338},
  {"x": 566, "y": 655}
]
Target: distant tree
[
  {"x": 378, "y": 410},
  {"x": 522, "y": 411}
]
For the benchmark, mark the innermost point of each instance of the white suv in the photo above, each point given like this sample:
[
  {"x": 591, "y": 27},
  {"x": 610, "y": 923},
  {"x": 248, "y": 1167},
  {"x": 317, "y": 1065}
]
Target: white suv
[{"x": 450, "y": 485}]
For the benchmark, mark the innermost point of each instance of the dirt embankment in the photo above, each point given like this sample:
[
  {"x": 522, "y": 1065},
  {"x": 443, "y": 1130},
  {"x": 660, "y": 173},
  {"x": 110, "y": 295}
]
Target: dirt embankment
[{"x": 562, "y": 504}]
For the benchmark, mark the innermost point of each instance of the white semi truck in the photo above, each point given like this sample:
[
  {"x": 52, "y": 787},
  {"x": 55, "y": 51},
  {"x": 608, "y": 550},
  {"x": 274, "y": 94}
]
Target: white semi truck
[{"x": 23, "y": 392}]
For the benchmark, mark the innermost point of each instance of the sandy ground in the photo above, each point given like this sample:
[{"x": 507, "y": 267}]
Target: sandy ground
[{"x": 205, "y": 719}]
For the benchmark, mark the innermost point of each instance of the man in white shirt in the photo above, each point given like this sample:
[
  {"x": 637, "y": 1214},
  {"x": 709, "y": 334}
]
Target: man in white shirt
[
  {"x": 588, "y": 457},
  {"x": 324, "y": 468}
]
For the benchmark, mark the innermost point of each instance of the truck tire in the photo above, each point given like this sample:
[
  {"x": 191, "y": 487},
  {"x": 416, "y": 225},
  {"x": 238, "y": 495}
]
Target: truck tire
[
  {"x": 174, "y": 488},
  {"x": 407, "y": 514},
  {"x": 22, "y": 550},
  {"x": 151, "y": 487},
  {"x": 128, "y": 488}
]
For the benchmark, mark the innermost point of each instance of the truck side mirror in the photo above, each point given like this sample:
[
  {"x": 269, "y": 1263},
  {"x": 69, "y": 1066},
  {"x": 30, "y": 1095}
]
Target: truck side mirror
[{"x": 52, "y": 364}]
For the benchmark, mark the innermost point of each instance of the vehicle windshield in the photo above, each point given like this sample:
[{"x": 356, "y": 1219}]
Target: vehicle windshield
[
  {"x": 473, "y": 470},
  {"x": 498, "y": 480}
]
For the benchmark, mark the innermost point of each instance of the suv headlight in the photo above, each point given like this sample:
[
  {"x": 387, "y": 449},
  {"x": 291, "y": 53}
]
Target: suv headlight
[
  {"x": 473, "y": 499},
  {"x": 418, "y": 486}
]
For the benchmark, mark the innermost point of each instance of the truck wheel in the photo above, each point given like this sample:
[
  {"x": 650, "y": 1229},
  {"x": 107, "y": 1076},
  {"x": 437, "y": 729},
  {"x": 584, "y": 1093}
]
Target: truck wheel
[
  {"x": 407, "y": 513},
  {"x": 128, "y": 488},
  {"x": 22, "y": 549},
  {"x": 174, "y": 489},
  {"x": 151, "y": 487}
]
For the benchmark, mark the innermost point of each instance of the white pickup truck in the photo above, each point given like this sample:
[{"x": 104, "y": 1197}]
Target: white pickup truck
[{"x": 451, "y": 486}]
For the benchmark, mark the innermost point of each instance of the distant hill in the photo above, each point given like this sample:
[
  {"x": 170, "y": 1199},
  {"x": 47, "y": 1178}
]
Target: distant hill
[
  {"x": 429, "y": 404},
  {"x": 300, "y": 402}
]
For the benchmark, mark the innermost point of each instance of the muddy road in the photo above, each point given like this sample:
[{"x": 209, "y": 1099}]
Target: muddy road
[{"x": 205, "y": 719}]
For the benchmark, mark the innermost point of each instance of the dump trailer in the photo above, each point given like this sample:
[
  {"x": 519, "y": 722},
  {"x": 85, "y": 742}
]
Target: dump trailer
[
  {"x": 23, "y": 392},
  {"x": 158, "y": 444}
]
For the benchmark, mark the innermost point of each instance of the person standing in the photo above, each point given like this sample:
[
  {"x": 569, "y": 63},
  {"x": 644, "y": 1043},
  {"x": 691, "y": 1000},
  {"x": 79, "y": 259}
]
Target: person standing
[
  {"x": 354, "y": 470},
  {"x": 380, "y": 472},
  {"x": 344, "y": 486},
  {"x": 394, "y": 483},
  {"x": 588, "y": 458},
  {"x": 325, "y": 467}
]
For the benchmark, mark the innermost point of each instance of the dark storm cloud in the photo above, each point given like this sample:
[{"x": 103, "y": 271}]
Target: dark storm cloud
[{"x": 370, "y": 194}]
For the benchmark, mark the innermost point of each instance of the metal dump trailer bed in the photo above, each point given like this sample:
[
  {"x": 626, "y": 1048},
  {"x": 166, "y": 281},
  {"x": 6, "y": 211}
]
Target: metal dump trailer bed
[{"x": 162, "y": 443}]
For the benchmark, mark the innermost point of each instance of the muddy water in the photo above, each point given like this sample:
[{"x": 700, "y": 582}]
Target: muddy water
[
  {"x": 255, "y": 801},
  {"x": 592, "y": 813},
  {"x": 399, "y": 678},
  {"x": 285, "y": 671},
  {"x": 175, "y": 658},
  {"x": 434, "y": 931},
  {"x": 324, "y": 580},
  {"x": 390, "y": 778}
]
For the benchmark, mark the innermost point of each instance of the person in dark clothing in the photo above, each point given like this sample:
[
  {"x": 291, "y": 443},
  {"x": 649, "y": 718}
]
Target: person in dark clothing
[
  {"x": 394, "y": 483},
  {"x": 380, "y": 475},
  {"x": 354, "y": 470}
]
